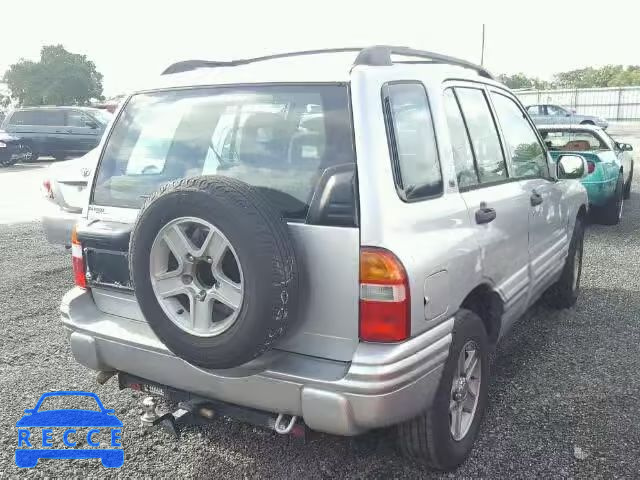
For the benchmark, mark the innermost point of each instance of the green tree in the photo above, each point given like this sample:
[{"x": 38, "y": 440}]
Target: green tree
[
  {"x": 629, "y": 76},
  {"x": 607, "y": 76},
  {"x": 5, "y": 101},
  {"x": 59, "y": 78},
  {"x": 520, "y": 80}
]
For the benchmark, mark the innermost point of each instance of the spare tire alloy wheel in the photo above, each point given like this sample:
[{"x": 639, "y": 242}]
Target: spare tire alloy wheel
[
  {"x": 197, "y": 283},
  {"x": 214, "y": 270}
]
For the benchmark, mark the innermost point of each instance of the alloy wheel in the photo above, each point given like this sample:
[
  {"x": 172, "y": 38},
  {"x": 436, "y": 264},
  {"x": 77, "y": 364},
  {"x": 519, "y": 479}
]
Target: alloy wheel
[
  {"x": 196, "y": 276},
  {"x": 465, "y": 390}
]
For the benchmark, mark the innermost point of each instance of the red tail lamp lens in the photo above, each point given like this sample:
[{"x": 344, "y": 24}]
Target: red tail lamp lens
[
  {"x": 77, "y": 260},
  {"x": 384, "y": 297}
]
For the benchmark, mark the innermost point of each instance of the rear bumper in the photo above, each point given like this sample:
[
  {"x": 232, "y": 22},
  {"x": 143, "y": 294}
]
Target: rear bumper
[
  {"x": 10, "y": 149},
  {"x": 57, "y": 227},
  {"x": 383, "y": 385}
]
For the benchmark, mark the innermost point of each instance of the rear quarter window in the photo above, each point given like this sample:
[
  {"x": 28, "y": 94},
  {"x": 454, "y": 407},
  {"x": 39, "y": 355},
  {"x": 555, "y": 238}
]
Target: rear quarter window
[{"x": 412, "y": 141}]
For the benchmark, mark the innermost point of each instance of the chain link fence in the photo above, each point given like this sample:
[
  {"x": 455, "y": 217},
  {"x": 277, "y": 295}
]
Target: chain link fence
[{"x": 612, "y": 103}]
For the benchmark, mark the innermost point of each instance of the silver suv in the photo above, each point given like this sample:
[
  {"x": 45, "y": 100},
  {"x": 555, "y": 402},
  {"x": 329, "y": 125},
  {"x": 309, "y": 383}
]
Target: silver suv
[{"x": 330, "y": 240}]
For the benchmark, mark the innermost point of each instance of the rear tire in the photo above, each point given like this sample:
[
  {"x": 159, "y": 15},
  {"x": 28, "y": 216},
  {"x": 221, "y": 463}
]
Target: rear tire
[
  {"x": 29, "y": 154},
  {"x": 627, "y": 187},
  {"x": 429, "y": 437},
  {"x": 611, "y": 213},
  {"x": 564, "y": 293}
]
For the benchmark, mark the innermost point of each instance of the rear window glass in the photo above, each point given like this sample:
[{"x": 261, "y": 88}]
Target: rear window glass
[
  {"x": 277, "y": 138},
  {"x": 573, "y": 140}
]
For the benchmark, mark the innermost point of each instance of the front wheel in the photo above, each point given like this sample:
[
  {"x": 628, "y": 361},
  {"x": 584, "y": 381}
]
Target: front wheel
[
  {"x": 7, "y": 160},
  {"x": 443, "y": 436}
]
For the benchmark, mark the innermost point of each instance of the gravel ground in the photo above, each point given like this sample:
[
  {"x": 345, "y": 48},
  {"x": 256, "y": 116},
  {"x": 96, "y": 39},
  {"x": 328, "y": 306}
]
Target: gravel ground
[{"x": 563, "y": 403}]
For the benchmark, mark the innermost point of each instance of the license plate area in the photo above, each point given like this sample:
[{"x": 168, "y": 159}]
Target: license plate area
[
  {"x": 106, "y": 268},
  {"x": 153, "y": 389}
]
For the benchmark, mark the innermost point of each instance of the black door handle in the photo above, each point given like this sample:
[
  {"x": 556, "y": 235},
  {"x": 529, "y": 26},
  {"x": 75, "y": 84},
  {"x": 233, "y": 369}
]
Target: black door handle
[
  {"x": 536, "y": 199},
  {"x": 485, "y": 215}
]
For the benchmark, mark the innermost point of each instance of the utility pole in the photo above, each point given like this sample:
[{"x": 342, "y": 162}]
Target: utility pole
[{"x": 482, "y": 52}]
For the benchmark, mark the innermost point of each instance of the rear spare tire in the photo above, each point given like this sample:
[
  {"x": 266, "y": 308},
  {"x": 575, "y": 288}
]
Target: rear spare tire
[{"x": 214, "y": 270}]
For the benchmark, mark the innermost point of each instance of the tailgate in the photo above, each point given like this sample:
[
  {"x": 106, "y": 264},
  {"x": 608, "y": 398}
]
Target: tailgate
[
  {"x": 327, "y": 326},
  {"x": 71, "y": 194}
]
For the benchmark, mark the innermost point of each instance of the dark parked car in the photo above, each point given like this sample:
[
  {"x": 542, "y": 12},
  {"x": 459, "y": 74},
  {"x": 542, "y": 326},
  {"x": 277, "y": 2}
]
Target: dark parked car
[
  {"x": 10, "y": 148},
  {"x": 56, "y": 131}
]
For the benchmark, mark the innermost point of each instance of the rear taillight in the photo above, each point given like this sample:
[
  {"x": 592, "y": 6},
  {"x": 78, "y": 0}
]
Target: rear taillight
[
  {"x": 591, "y": 167},
  {"x": 384, "y": 297},
  {"x": 46, "y": 189},
  {"x": 77, "y": 260}
]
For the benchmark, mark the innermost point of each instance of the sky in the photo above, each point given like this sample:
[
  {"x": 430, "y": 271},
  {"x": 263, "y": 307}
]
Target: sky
[{"x": 134, "y": 39}]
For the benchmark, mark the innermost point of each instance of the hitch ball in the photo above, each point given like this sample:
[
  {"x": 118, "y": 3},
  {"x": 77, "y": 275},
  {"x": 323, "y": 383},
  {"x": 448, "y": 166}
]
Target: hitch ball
[{"x": 149, "y": 416}]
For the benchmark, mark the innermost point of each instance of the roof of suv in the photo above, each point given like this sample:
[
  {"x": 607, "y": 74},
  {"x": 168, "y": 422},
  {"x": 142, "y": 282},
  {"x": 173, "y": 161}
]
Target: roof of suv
[{"x": 313, "y": 66}]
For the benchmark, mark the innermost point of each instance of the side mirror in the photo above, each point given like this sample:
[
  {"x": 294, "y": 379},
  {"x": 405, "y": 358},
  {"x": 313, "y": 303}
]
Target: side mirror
[
  {"x": 625, "y": 147},
  {"x": 91, "y": 124},
  {"x": 571, "y": 167}
]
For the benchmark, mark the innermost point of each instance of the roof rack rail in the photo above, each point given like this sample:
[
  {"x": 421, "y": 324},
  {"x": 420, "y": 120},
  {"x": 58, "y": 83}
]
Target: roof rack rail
[
  {"x": 187, "y": 65},
  {"x": 381, "y": 55},
  {"x": 377, "y": 55}
]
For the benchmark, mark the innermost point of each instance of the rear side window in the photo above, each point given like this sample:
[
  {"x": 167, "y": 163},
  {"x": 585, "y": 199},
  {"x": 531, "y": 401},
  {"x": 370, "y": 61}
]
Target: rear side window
[
  {"x": 277, "y": 138},
  {"x": 22, "y": 118},
  {"x": 527, "y": 155},
  {"x": 534, "y": 110},
  {"x": 412, "y": 141},
  {"x": 38, "y": 117},
  {"x": 78, "y": 119},
  {"x": 484, "y": 135},
  {"x": 462, "y": 155}
]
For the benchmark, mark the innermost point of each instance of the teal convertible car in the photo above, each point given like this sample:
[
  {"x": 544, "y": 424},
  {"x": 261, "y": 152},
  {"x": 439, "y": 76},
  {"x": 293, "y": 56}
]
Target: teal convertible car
[{"x": 610, "y": 165}]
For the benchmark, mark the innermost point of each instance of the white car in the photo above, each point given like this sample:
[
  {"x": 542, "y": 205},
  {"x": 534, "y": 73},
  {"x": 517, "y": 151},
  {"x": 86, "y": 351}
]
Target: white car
[{"x": 66, "y": 185}]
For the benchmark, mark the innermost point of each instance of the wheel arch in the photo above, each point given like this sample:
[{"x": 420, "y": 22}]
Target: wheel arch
[
  {"x": 487, "y": 303},
  {"x": 582, "y": 212}
]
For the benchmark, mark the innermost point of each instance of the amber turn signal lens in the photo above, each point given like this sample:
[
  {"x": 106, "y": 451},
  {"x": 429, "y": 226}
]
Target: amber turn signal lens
[{"x": 380, "y": 267}]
